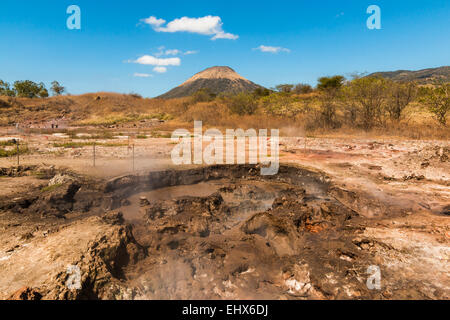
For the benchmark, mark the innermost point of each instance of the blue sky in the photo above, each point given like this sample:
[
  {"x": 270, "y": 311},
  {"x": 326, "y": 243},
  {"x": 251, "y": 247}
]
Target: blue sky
[{"x": 314, "y": 38}]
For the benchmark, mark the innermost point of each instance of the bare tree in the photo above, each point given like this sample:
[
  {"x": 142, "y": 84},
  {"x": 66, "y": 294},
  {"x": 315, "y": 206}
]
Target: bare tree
[{"x": 400, "y": 96}]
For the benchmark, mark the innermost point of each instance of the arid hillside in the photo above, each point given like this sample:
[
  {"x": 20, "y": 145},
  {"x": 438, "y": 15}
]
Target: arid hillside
[{"x": 424, "y": 76}]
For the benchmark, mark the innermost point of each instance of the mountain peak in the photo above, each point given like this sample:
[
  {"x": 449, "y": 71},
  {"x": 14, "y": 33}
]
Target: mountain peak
[
  {"x": 218, "y": 72},
  {"x": 217, "y": 80}
]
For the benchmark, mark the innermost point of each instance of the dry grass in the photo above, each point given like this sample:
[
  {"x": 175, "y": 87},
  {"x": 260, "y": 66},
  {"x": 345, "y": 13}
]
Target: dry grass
[{"x": 104, "y": 109}]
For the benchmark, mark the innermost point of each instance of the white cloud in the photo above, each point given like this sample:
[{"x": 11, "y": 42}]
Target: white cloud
[
  {"x": 172, "y": 52},
  {"x": 153, "y": 61},
  {"x": 224, "y": 35},
  {"x": 160, "y": 69},
  {"x": 271, "y": 49},
  {"x": 209, "y": 25},
  {"x": 154, "y": 22},
  {"x": 162, "y": 51},
  {"x": 142, "y": 75},
  {"x": 190, "y": 52}
]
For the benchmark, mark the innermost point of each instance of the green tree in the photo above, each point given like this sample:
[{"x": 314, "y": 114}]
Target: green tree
[
  {"x": 330, "y": 83},
  {"x": 30, "y": 89},
  {"x": 437, "y": 100},
  {"x": 5, "y": 89},
  {"x": 57, "y": 89},
  {"x": 330, "y": 95},
  {"x": 281, "y": 105},
  {"x": 302, "y": 88},
  {"x": 203, "y": 95},
  {"x": 369, "y": 94},
  {"x": 261, "y": 92},
  {"x": 43, "y": 93},
  {"x": 284, "y": 88},
  {"x": 242, "y": 104}
]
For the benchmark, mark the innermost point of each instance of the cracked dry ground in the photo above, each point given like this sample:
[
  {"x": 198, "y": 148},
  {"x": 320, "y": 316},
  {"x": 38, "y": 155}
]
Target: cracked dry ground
[{"x": 220, "y": 232}]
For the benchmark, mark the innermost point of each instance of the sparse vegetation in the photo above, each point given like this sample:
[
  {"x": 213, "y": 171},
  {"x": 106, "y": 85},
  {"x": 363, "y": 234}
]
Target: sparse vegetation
[
  {"x": 6, "y": 143},
  {"x": 437, "y": 100},
  {"x": 135, "y": 95},
  {"x": 30, "y": 89},
  {"x": 364, "y": 103},
  {"x": 284, "y": 88},
  {"x": 400, "y": 96},
  {"x": 330, "y": 94},
  {"x": 302, "y": 89},
  {"x": 369, "y": 95},
  {"x": 120, "y": 119},
  {"x": 203, "y": 95},
  {"x": 4, "y": 153},
  {"x": 57, "y": 89},
  {"x": 5, "y": 89},
  {"x": 242, "y": 104},
  {"x": 74, "y": 144},
  {"x": 51, "y": 188}
]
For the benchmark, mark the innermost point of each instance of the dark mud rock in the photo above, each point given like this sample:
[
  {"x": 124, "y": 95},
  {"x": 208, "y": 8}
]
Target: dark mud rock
[
  {"x": 114, "y": 218},
  {"x": 18, "y": 205},
  {"x": 414, "y": 177},
  {"x": 85, "y": 200},
  {"x": 26, "y": 293},
  {"x": 101, "y": 262},
  {"x": 143, "y": 201},
  {"x": 446, "y": 210},
  {"x": 160, "y": 209},
  {"x": 46, "y": 172},
  {"x": 247, "y": 206},
  {"x": 61, "y": 199},
  {"x": 280, "y": 234},
  {"x": 425, "y": 164},
  {"x": 55, "y": 200},
  {"x": 125, "y": 203},
  {"x": 211, "y": 204},
  {"x": 197, "y": 216},
  {"x": 17, "y": 171}
]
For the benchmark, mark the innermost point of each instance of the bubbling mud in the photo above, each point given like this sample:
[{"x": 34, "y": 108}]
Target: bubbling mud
[{"x": 225, "y": 232}]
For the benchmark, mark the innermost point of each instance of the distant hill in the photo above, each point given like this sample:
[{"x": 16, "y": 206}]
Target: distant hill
[
  {"x": 422, "y": 76},
  {"x": 216, "y": 79}
]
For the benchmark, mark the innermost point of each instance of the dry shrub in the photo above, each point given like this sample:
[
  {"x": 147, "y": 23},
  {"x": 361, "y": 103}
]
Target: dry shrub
[
  {"x": 292, "y": 114},
  {"x": 208, "y": 112}
]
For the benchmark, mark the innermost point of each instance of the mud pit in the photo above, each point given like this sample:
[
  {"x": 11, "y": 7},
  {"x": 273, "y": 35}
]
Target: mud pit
[
  {"x": 228, "y": 233},
  {"x": 225, "y": 232}
]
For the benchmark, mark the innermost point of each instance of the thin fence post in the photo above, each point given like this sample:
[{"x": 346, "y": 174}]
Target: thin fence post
[
  {"x": 133, "y": 157},
  {"x": 18, "y": 153},
  {"x": 94, "y": 153}
]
